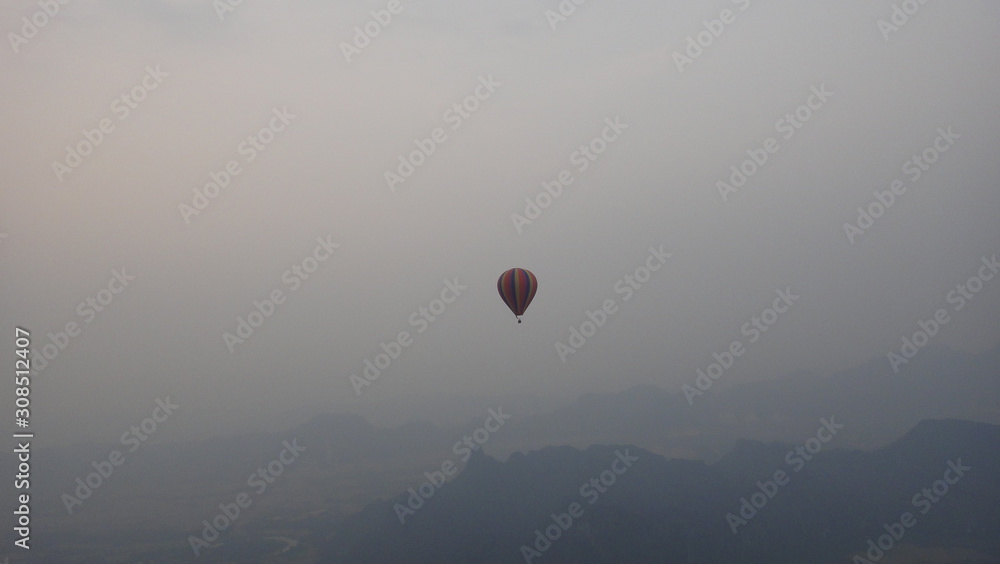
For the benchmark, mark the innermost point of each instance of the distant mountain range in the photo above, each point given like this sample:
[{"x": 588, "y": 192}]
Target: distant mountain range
[
  {"x": 932, "y": 496},
  {"x": 876, "y": 405},
  {"x": 696, "y": 462}
]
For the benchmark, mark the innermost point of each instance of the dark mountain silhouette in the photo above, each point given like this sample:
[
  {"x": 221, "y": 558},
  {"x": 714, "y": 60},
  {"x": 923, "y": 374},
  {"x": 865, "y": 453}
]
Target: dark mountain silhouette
[
  {"x": 351, "y": 463},
  {"x": 662, "y": 510},
  {"x": 876, "y": 405}
]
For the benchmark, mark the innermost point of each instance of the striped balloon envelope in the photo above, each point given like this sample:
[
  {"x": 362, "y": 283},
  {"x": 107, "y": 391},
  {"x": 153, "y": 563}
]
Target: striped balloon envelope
[{"x": 517, "y": 287}]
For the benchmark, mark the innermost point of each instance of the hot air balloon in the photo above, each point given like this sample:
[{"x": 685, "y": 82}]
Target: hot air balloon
[{"x": 517, "y": 287}]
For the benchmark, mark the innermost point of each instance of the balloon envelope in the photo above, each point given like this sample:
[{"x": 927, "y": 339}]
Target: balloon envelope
[{"x": 517, "y": 287}]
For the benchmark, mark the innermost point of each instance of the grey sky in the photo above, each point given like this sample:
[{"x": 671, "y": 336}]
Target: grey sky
[{"x": 323, "y": 176}]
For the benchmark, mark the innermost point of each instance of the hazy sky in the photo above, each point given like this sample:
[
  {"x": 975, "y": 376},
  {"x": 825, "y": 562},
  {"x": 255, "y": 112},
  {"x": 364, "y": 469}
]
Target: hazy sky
[{"x": 888, "y": 94}]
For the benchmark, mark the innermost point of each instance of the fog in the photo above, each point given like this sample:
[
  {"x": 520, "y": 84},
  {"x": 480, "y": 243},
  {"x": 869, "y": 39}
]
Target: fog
[{"x": 820, "y": 105}]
